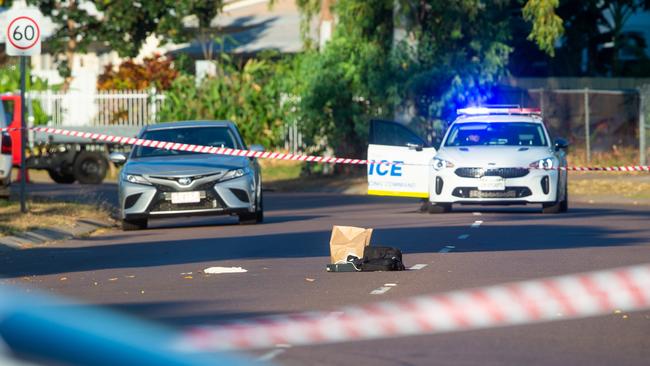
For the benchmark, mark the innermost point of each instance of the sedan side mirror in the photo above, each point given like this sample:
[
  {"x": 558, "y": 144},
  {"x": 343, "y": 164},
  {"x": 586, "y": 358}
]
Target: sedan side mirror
[
  {"x": 118, "y": 158},
  {"x": 561, "y": 144},
  {"x": 256, "y": 148}
]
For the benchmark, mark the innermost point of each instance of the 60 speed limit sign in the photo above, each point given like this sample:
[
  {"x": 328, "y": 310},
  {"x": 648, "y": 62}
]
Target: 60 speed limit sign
[{"x": 23, "y": 33}]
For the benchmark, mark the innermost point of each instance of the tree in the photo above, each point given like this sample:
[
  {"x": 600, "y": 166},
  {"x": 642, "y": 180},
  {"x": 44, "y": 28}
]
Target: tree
[
  {"x": 202, "y": 12},
  {"x": 128, "y": 24},
  {"x": 593, "y": 42},
  {"x": 450, "y": 55},
  {"x": 79, "y": 25},
  {"x": 124, "y": 25}
]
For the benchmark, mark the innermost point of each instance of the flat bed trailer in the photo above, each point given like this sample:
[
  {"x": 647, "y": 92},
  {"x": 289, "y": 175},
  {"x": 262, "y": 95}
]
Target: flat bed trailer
[{"x": 67, "y": 159}]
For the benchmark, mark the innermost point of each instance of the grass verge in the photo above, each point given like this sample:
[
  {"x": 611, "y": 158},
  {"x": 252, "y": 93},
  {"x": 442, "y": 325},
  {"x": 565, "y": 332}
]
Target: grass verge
[
  {"x": 628, "y": 186},
  {"x": 46, "y": 214},
  {"x": 278, "y": 170}
]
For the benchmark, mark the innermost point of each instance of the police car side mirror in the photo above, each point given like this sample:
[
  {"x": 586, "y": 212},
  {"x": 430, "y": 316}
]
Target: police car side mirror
[
  {"x": 416, "y": 147},
  {"x": 561, "y": 144}
]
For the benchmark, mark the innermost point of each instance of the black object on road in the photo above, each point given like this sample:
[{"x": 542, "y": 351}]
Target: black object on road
[
  {"x": 381, "y": 259},
  {"x": 374, "y": 259}
]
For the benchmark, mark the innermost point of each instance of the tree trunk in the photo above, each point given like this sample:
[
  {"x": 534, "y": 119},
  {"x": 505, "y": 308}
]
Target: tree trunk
[{"x": 70, "y": 47}]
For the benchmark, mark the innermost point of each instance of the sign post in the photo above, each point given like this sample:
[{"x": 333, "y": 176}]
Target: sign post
[{"x": 23, "y": 38}]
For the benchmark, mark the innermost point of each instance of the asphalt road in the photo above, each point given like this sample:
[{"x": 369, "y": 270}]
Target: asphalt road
[{"x": 147, "y": 273}]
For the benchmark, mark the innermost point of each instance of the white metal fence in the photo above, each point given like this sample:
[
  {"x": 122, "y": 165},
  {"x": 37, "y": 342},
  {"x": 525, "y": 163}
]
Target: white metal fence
[
  {"x": 128, "y": 108},
  {"x": 121, "y": 108}
]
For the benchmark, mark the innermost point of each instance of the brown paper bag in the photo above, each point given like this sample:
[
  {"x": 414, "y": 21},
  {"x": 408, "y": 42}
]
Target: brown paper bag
[{"x": 348, "y": 240}]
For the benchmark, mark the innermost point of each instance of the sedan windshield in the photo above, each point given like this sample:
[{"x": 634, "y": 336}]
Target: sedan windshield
[
  {"x": 205, "y": 136},
  {"x": 496, "y": 133}
]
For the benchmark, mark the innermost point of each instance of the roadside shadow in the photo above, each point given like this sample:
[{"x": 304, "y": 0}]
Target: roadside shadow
[
  {"x": 185, "y": 313},
  {"x": 427, "y": 239}
]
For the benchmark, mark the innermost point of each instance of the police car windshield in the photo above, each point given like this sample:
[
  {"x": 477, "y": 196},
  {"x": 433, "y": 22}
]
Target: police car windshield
[
  {"x": 205, "y": 136},
  {"x": 496, "y": 133}
]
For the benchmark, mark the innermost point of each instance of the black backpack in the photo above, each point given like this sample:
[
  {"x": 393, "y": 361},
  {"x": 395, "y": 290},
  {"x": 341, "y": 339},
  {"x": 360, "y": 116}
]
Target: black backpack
[{"x": 380, "y": 259}]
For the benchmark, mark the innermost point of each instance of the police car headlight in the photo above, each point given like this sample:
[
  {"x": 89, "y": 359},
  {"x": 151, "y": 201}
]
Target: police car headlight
[
  {"x": 546, "y": 163},
  {"x": 235, "y": 173},
  {"x": 439, "y": 164},
  {"x": 135, "y": 179}
]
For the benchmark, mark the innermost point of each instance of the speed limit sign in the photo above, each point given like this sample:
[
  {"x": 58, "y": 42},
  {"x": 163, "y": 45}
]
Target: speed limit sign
[{"x": 23, "y": 33}]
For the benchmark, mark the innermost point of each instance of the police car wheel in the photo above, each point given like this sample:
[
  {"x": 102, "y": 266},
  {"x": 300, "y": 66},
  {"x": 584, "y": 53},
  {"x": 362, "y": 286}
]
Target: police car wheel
[{"x": 437, "y": 208}]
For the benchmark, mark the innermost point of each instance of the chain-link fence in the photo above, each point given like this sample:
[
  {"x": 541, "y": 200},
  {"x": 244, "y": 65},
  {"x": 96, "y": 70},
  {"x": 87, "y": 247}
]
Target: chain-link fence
[{"x": 593, "y": 120}]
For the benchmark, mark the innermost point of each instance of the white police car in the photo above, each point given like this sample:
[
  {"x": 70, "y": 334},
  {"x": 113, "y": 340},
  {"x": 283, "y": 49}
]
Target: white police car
[{"x": 488, "y": 156}]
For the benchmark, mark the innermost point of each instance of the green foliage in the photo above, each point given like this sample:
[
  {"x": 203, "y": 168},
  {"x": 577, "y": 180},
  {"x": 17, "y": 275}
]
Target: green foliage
[
  {"x": 451, "y": 55},
  {"x": 547, "y": 26},
  {"x": 350, "y": 80},
  {"x": 10, "y": 83},
  {"x": 127, "y": 24},
  {"x": 76, "y": 29},
  {"x": 250, "y": 96}
]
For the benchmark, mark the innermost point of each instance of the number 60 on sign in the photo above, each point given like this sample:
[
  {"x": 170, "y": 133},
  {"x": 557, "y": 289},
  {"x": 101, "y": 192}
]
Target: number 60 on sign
[{"x": 22, "y": 33}]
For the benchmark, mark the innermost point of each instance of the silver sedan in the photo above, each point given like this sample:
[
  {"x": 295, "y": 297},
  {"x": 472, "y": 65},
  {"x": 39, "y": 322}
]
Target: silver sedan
[{"x": 157, "y": 183}]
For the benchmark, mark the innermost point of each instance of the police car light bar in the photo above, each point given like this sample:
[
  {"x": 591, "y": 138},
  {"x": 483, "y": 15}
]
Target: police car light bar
[{"x": 477, "y": 111}]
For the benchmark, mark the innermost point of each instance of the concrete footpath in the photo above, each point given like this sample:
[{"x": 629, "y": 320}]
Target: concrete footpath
[{"x": 33, "y": 238}]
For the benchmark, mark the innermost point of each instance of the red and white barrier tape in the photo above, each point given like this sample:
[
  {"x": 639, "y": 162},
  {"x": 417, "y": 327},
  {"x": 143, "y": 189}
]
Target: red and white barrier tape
[
  {"x": 552, "y": 299},
  {"x": 274, "y": 155},
  {"x": 199, "y": 148}
]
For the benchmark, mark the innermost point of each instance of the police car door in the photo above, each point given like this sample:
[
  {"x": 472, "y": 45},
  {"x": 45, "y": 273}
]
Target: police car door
[{"x": 402, "y": 161}]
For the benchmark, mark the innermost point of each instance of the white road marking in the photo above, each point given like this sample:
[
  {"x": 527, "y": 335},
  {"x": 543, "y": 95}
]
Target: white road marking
[
  {"x": 380, "y": 291},
  {"x": 270, "y": 355},
  {"x": 476, "y": 224},
  {"x": 417, "y": 266},
  {"x": 280, "y": 349},
  {"x": 477, "y": 213},
  {"x": 463, "y": 237},
  {"x": 390, "y": 284},
  {"x": 447, "y": 249}
]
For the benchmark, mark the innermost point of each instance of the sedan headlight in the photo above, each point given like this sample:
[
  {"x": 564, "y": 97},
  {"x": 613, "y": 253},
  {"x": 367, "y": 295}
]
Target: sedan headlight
[
  {"x": 546, "y": 163},
  {"x": 135, "y": 179},
  {"x": 235, "y": 173},
  {"x": 439, "y": 164}
]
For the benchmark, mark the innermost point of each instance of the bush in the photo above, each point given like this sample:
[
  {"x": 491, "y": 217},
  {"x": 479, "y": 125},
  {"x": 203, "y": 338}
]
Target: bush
[
  {"x": 10, "y": 83},
  {"x": 154, "y": 72},
  {"x": 250, "y": 96}
]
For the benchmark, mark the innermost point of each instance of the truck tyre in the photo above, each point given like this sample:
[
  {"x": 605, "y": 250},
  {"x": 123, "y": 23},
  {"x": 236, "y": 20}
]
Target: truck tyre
[
  {"x": 61, "y": 178},
  {"x": 90, "y": 167},
  {"x": 5, "y": 189}
]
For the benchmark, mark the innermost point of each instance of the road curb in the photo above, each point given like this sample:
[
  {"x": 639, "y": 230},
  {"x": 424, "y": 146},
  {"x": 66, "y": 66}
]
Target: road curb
[{"x": 42, "y": 236}]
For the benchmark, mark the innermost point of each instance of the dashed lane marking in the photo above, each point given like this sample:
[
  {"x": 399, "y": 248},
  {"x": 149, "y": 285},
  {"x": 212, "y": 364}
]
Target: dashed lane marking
[
  {"x": 463, "y": 237},
  {"x": 270, "y": 355},
  {"x": 447, "y": 249},
  {"x": 382, "y": 290},
  {"x": 477, "y": 213},
  {"x": 415, "y": 267},
  {"x": 476, "y": 224},
  {"x": 280, "y": 349}
]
